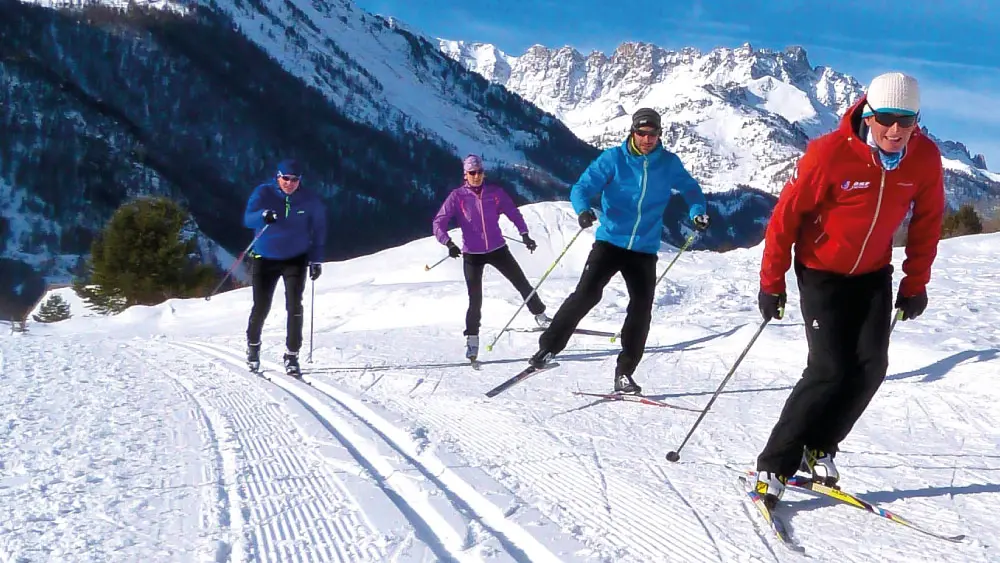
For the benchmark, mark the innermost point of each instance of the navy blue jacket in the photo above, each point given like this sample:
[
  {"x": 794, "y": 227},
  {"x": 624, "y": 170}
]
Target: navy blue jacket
[
  {"x": 300, "y": 228},
  {"x": 635, "y": 190}
]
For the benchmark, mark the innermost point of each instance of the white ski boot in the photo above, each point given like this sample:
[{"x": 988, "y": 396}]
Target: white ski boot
[
  {"x": 820, "y": 465},
  {"x": 770, "y": 486}
]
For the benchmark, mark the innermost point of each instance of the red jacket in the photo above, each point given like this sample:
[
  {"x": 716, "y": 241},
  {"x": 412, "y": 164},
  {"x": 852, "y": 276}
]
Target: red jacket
[{"x": 841, "y": 208}]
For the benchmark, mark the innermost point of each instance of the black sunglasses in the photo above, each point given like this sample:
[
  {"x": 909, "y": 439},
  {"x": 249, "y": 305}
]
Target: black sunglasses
[
  {"x": 474, "y": 172},
  {"x": 647, "y": 133},
  {"x": 289, "y": 177},
  {"x": 889, "y": 119}
]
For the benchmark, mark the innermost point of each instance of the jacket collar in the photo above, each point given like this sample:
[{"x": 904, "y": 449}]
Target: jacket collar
[
  {"x": 482, "y": 188},
  {"x": 300, "y": 193}
]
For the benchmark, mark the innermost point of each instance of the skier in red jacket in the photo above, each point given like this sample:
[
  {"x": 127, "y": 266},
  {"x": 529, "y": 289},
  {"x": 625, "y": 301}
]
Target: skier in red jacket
[{"x": 850, "y": 192}]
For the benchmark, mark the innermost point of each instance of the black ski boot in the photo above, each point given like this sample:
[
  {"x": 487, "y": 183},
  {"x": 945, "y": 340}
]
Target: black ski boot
[
  {"x": 253, "y": 356},
  {"x": 541, "y": 359},
  {"x": 292, "y": 365},
  {"x": 625, "y": 385}
]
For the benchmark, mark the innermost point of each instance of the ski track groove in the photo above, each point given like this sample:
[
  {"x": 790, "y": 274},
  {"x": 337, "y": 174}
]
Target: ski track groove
[
  {"x": 567, "y": 482},
  {"x": 516, "y": 541},
  {"x": 447, "y": 542},
  {"x": 265, "y": 457},
  {"x": 666, "y": 479},
  {"x": 231, "y": 545}
]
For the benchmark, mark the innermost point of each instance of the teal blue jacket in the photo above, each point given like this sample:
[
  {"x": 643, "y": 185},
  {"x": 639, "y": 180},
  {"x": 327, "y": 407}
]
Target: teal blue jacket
[{"x": 635, "y": 190}]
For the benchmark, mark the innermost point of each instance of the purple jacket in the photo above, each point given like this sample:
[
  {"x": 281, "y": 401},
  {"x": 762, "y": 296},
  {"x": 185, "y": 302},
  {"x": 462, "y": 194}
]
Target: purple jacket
[{"x": 478, "y": 212}]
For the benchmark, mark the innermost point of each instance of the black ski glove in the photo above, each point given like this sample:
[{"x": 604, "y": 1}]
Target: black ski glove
[
  {"x": 315, "y": 270},
  {"x": 530, "y": 244},
  {"x": 587, "y": 218},
  {"x": 270, "y": 216},
  {"x": 701, "y": 222},
  {"x": 771, "y": 306},
  {"x": 453, "y": 250},
  {"x": 912, "y": 306}
]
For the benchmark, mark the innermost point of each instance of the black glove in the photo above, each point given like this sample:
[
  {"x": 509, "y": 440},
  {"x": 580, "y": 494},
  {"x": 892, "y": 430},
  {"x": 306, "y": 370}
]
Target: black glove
[
  {"x": 528, "y": 242},
  {"x": 453, "y": 250},
  {"x": 587, "y": 218},
  {"x": 912, "y": 306},
  {"x": 315, "y": 270},
  {"x": 771, "y": 306},
  {"x": 270, "y": 216},
  {"x": 701, "y": 221}
]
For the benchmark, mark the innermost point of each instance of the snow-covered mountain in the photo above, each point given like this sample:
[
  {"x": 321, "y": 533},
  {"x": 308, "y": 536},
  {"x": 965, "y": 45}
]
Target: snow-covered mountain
[
  {"x": 102, "y": 101},
  {"x": 142, "y": 437},
  {"x": 735, "y": 116}
]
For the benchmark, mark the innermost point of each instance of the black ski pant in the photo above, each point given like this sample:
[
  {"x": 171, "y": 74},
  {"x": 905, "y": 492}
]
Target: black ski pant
[
  {"x": 265, "y": 274},
  {"x": 504, "y": 262},
  {"x": 847, "y": 329},
  {"x": 605, "y": 260}
]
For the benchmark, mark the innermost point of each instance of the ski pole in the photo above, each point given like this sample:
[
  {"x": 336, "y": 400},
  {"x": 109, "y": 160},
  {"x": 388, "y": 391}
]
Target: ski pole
[
  {"x": 675, "y": 455},
  {"x": 517, "y": 240},
  {"x": 236, "y": 262},
  {"x": 898, "y": 316},
  {"x": 687, "y": 243},
  {"x": 312, "y": 317},
  {"x": 489, "y": 348},
  {"x": 429, "y": 268}
]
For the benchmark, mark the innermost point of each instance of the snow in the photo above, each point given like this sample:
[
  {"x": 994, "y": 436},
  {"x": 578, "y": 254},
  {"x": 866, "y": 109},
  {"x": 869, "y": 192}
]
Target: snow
[
  {"x": 77, "y": 307},
  {"x": 141, "y": 437},
  {"x": 783, "y": 99},
  {"x": 958, "y": 165},
  {"x": 171, "y": 5},
  {"x": 342, "y": 36}
]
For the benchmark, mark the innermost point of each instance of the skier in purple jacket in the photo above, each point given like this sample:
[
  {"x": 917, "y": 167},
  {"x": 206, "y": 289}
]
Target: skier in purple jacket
[{"x": 477, "y": 206}]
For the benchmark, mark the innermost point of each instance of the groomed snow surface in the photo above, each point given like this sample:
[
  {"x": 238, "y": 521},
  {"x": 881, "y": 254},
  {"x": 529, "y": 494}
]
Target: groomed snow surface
[{"x": 142, "y": 437}]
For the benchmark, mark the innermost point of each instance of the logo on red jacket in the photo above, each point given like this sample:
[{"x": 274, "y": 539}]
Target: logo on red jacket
[{"x": 849, "y": 185}]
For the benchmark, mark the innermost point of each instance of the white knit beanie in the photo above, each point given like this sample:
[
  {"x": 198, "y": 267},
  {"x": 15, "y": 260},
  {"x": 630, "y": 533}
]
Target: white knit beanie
[{"x": 893, "y": 92}]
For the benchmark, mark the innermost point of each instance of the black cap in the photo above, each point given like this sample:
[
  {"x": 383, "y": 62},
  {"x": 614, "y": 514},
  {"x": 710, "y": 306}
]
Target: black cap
[{"x": 645, "y": 117}]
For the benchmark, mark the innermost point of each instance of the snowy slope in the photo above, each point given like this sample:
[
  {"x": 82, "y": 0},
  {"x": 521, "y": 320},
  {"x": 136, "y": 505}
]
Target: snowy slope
[
  {"x": 373, "y": 69},
  {"x": 141, "y": 436}
]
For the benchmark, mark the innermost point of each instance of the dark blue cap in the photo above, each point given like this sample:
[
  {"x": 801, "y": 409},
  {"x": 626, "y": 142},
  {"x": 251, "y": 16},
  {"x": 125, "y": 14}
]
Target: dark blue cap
[{"x": 289, "y": 166}]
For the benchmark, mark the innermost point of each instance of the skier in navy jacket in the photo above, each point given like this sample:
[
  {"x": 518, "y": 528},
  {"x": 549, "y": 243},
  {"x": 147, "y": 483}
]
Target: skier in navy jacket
[
  {"x": 635, "y": 181},
  {"x": 295, "y": 221}
]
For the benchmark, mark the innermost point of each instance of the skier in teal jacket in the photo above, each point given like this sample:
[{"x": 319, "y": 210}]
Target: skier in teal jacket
[{"x": 635, "y": 181}]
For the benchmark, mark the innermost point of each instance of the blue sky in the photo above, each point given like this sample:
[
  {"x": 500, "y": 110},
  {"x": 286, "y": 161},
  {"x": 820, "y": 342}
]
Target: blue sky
[{"x": 952, "y": 47}]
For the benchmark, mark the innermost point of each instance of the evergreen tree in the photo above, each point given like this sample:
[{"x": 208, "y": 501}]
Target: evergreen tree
[
  {"x": 54, "y": 309},
  {"x": 144, "y": 256},
  {"x": 965, "y": 221}
]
